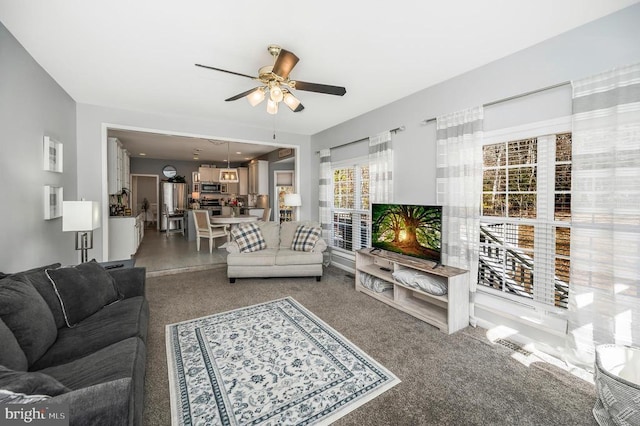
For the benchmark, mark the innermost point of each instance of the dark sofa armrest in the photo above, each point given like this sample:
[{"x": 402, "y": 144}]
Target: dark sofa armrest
[
  {"x": 103, "y": 404},
  {"x": 130, "y": 281}
]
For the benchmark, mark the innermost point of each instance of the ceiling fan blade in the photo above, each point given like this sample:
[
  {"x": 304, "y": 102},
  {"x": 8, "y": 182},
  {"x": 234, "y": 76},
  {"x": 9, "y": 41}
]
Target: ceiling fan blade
[
  {"x": 243, "y": 94},
  {"x": 320, "y": 88},
  {"x": 228, "y": 72},
  {"x": 300, "y": 108},
  {"x": 284, "y": 63}
]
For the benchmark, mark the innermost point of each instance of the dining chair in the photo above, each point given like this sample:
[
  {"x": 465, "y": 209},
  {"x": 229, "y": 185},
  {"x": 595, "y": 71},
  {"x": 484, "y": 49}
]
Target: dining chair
[
  {"x": 266, "y": 214},
  {"x": 176, "y": 220},
  {"x": 205, "y": 229}
]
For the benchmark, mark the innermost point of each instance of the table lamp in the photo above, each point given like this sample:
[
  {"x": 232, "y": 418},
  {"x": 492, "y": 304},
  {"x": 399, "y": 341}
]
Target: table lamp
[
  {"x": 293, "y": 200},
  {"x": 82, "y": 217}
]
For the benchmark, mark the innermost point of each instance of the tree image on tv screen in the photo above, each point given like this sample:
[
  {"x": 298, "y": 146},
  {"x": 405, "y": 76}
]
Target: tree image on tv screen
[{"x": 408, "y": 229}]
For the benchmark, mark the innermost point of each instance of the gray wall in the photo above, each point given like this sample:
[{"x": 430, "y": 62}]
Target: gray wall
[
  {"x": 32, "y": 105},
  {"x": 93, "y": 122},
  {"x": 599, "y": 46},
  {"x": 151, "y": 166}
]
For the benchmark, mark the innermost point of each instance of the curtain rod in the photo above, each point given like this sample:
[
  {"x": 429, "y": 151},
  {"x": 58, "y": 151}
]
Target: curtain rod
[
  {"x": 510, "y": 98},
  {"x": 397, "y": 129}
]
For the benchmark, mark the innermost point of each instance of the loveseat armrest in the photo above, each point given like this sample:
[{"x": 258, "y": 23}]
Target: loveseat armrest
[
  {"x": 107, "y": 403},
  {"x": 320, "y": 246},
  {"x": 130, "y": 281}
]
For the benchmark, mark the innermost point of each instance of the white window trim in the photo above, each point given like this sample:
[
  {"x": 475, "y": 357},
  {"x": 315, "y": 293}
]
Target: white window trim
[
  {"x": 499, "y": 300},
  {"x": 347, "y": 163}
]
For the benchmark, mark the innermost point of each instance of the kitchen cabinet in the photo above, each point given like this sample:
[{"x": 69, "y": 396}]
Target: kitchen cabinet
[
  {"x": 243, "y": 181},
  {"x": 209, "y": 174},
  {"x": 259, "y": 177},
  {"x": 125, "y": 235},
  {"x": 118, "y": 167}
]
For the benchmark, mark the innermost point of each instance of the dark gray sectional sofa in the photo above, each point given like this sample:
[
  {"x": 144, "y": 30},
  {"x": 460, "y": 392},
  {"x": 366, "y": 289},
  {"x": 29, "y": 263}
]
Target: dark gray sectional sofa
[{"x": 76, "y": 335}]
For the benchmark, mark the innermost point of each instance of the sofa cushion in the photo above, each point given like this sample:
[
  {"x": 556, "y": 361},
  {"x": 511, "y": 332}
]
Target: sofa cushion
[
  {"x": 30, "y": 382},
  {"x": 288, "y": 231},
  {"x": 11, "y": 354},
  {"x": 83, "y": 290},
  {"x": 28, "y": 317},
  {"x": 270, "y": 233},
  {"x": 305, "y": 238},
  {"x": 113, "y": 323},
  {"x": 40, "y": 281},
  {"x": 249, "y": 237},
  {"x": 266, "y": 257},
  {"x": 106, "y": 403},
  {"x": 117, "y": 361},
  {"x": 292, "y": 257}
]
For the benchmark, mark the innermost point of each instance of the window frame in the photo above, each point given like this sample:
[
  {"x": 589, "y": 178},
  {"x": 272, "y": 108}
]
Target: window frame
[
  {"x": 532, "y": 130},
  {"x": 356, "y": 163}
]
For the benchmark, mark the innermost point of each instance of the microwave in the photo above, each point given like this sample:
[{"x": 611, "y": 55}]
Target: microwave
[{"x": 209, "y": 188}]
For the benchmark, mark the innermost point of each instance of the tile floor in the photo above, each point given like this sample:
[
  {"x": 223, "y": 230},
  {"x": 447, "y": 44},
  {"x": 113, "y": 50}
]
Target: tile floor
[{"x": 175, "y": 254}]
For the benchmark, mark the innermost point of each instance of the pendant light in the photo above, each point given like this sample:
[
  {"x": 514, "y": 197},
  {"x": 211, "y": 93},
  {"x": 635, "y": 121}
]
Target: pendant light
[{"x": 228, "y": 175}]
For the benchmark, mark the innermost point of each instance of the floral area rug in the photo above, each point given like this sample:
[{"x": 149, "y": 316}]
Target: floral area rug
[{"x": 270, "y": 364}]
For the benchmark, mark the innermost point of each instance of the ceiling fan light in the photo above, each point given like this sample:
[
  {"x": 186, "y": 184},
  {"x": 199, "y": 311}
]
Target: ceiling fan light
[
  {"x": 272, "y": 107},
  {"x": 256, "y": 96},
  {"x": 275, "y": 93},
  {"x": 291, "y": 101}
]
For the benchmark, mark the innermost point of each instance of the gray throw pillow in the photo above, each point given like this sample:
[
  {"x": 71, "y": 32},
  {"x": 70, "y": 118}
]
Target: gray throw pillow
[
  {"x": 40, "y": 281},
  {"x": 30, "y": 383},
  {"x": 11, "y": 354},
  {"x": 83, "y": 290},
  {"x": 28, "y": 317}
]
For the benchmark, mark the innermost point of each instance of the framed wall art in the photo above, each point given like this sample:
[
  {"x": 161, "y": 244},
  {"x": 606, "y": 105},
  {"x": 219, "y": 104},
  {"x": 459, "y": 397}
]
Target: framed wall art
[
  {"x": 52, "y": 202},
  {"x": 52, "y": 155}
]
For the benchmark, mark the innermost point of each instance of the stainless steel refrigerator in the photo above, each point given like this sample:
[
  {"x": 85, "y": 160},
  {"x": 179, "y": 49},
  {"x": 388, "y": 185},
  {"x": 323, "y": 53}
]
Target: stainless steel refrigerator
[{"x": 174, "y": 196}]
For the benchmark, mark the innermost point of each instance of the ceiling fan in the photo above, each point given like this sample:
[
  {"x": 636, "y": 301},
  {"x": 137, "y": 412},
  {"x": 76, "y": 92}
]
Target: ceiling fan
[{"x": 275, "y": 80}]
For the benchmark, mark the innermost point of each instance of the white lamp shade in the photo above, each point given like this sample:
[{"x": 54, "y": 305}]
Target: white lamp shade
[
  {"x": 291, "y": 101},
  {"x": 80, "y": 215},
  {"x": 256, "y": 96},
  {"x": 292, "y": 200},
  {"x": 272, "y": 107}
]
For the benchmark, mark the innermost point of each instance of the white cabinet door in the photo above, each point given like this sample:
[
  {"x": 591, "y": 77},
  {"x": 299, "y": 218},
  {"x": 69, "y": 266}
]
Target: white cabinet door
[
  {"x": 123, "y": 236},
  {"x": 259, "y": 177},
  {"x": 209, "y": 174},
  {"x": 112, "y": 165},
  {"x": 243, "y": 181}
]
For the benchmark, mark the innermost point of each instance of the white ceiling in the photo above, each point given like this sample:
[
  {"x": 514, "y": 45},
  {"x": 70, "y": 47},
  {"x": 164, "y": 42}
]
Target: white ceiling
[
  {"x": 140, "y": 54},
  {"x": 183, "y": 148}
]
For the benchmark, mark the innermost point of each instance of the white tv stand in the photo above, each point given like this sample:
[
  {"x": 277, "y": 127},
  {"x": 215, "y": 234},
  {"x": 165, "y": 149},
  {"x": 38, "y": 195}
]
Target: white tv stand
[{"x": 449, "y": 312}]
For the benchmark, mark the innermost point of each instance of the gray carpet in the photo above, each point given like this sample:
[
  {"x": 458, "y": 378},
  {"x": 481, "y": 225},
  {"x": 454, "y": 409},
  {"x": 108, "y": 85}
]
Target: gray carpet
[{"x": 462, "y": 379}]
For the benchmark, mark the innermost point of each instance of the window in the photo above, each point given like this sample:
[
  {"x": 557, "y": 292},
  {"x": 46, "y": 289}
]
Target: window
[
  {"x": 351, "y": 218},
  {"x": 526, "y": 209}
]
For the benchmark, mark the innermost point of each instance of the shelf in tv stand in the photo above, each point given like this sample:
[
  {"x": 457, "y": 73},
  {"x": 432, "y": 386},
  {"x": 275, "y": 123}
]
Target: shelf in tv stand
[{"x": 449, "y": 312}]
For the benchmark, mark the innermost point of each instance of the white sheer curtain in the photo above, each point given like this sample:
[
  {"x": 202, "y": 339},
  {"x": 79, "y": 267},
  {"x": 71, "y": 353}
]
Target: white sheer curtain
[
  {"x": 325, "y": 195},
  {"x": 381, "y": 168},
  {"x": 459, "y": 189},
  {"x": 604, "y": 290}
]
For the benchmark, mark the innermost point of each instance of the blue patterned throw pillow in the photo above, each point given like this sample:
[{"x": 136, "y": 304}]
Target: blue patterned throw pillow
[
  {"x": 248, "y": 237},
  {"x": 305, "y": 238}
]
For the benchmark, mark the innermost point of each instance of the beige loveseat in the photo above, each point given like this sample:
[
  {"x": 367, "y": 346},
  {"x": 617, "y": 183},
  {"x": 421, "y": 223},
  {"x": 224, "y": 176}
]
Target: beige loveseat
[{"x": 278, "y": 259}]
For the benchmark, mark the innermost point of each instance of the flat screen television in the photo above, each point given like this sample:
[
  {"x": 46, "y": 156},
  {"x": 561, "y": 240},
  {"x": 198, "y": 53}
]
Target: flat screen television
[{"x": 408, "y": 229}]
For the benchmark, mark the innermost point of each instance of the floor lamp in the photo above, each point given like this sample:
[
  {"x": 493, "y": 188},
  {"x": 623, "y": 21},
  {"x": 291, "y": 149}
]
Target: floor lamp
[
  {"x": 293, "y": 200},
  {"x": 82, "y": 217}
]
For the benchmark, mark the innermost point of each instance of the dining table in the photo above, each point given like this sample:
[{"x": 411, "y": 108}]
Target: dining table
[{"x": 233, "y": 220}]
